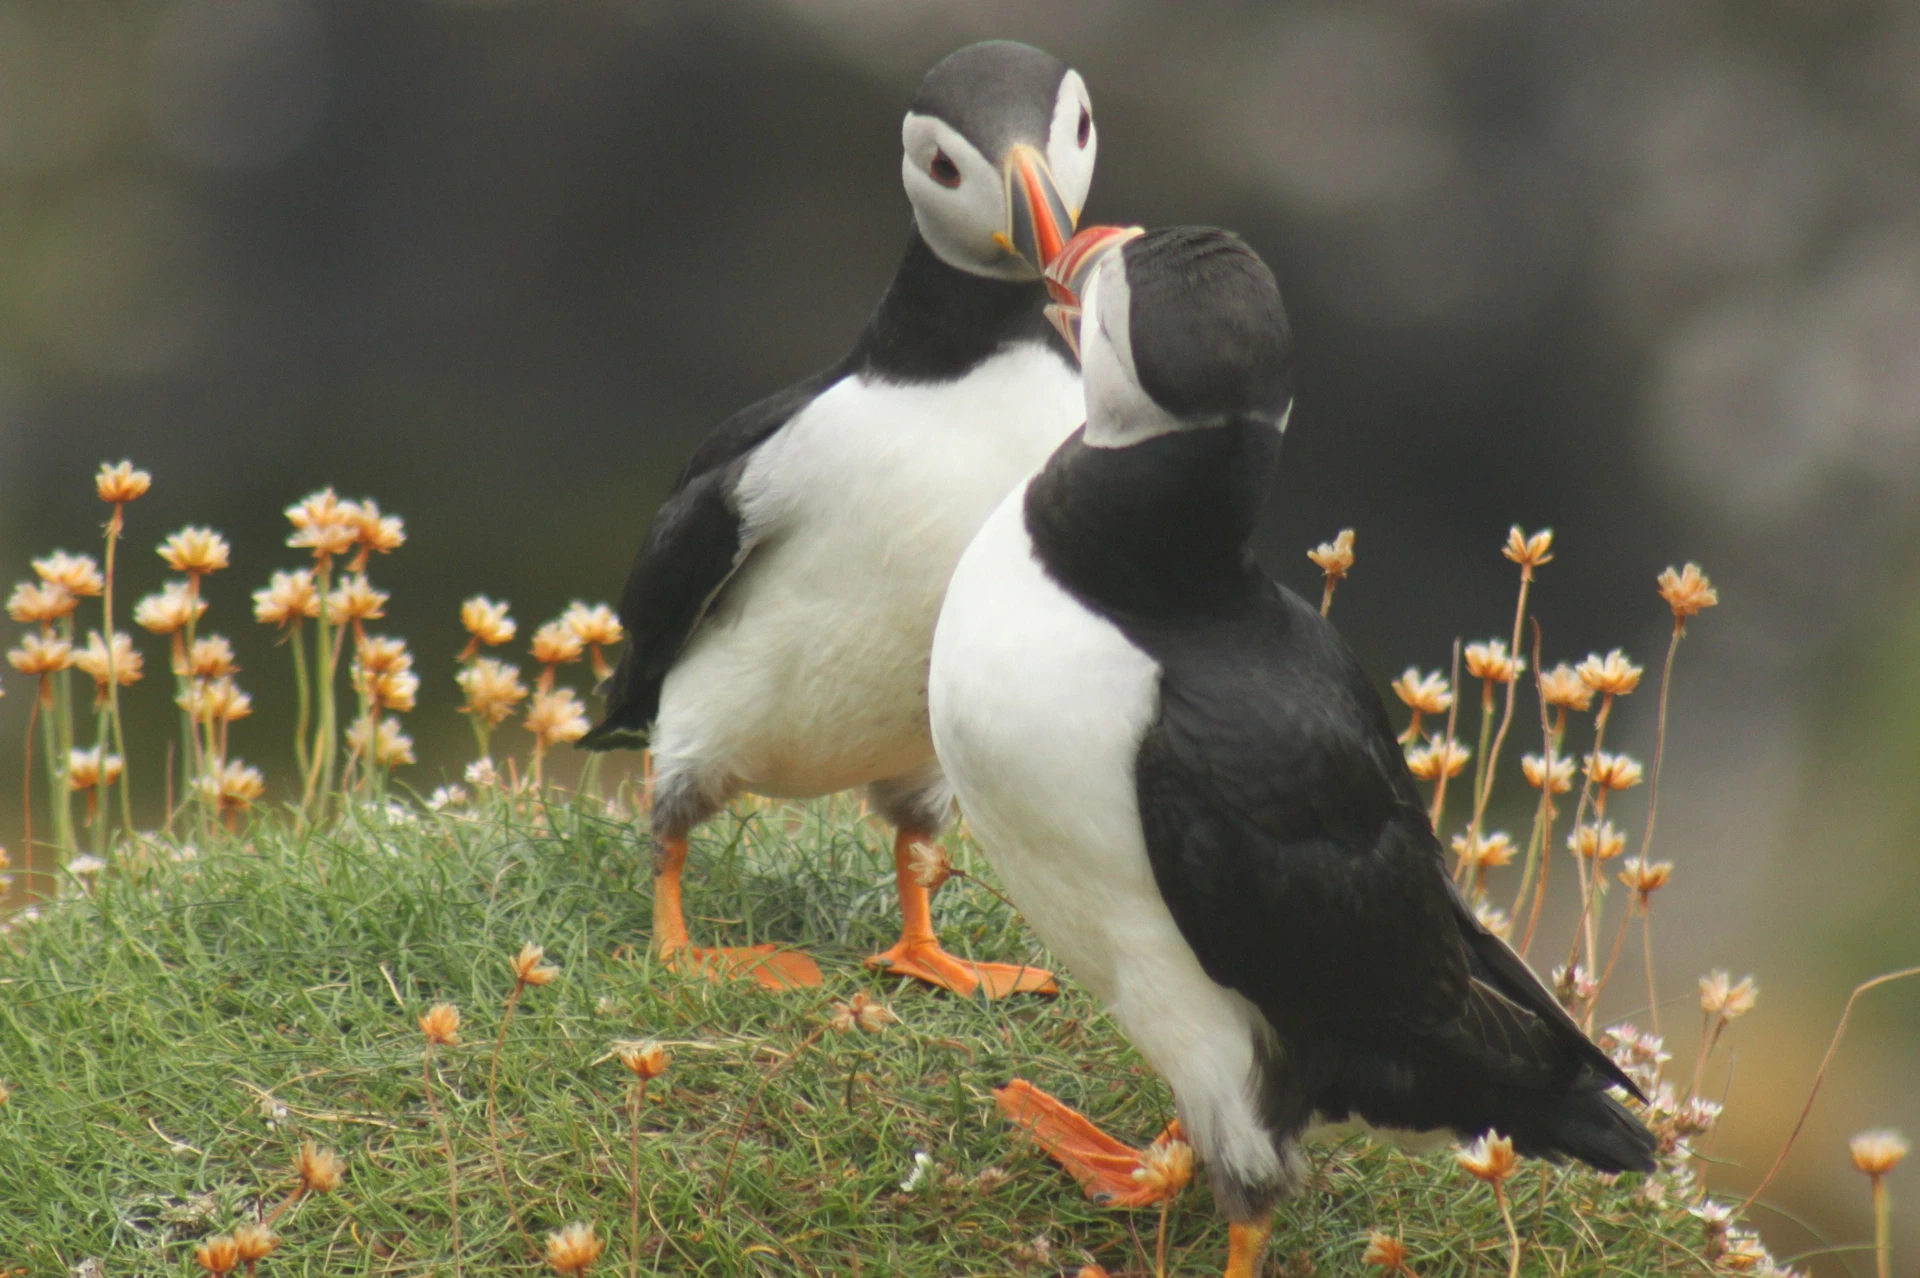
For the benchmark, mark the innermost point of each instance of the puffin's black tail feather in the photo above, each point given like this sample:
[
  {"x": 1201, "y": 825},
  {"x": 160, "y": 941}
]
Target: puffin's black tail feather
[
  {"x": 628, "y": 720},
  {"x": 1590, "y": 1126}
]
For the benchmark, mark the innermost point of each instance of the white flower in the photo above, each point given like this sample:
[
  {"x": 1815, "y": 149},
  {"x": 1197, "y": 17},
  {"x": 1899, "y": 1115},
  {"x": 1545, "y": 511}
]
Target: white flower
[{"x": 922, "y": 1164}]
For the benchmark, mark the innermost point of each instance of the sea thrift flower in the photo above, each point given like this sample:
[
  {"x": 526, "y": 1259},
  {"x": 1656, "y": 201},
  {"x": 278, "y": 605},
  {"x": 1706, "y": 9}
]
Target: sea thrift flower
[
  {"x": 1602, "y": 841},
  {"x": 1542, "y": 773},
  {"x": 255, "y": 1243},
  {"x": 528, "y": 968},
  {"x": 41, "y": 602},
  {"x": 556, "y": 644},
  {"x": 1493, "y": 919},
  {"x": 39, "y": 655},
  {"x": 217, "y": 701},
  {"x": 387, "y": 689},
  {"x": 446, "y": 796},
  {"x": 319, "y": 1170},
  {"x": 1424, "y": 694},
  {"x": 211, "y": 658},
  {"x": 482, "y": 774},
  {"x": 86, "y": 867},
  {"x": 86, "y": 769},
  {"x": 596, "y": 627},
  {"x": 557, "y": 716},
  {"x": 1385, "y": 1251},
  {"x": 1483, "y": 852},
  {"x": 170, "y": 609},
  {"x": 1613, "y": 771},
  {"x": 1645, "y": 878},
  {"x": 1610, "y": 676},
  {"x": 233, "y": 789},
  {"x": 323, "y": 524},
  {"x": 93, "y": 659},
  {"x": 1720, "y": 996},
  {"x": 391, "y": 747},
  {"x": 1687, "y": 592},
  {"x": 195, "y": 551},
  {"x": 374, "y": 531},
  {"x": 78, "y": 574},
  {"x": 1563, "y": 687},
  {"x": 493, "y": 689},
  {"x": 1529, "y": 552},
  {"x": 1492, "y": 662},
  {"x": 487, "y": 622},
  {"x": 574, "y": 1250},
  {"x": 1437, "y": 758},
  {"x": 861, "y": 1012},
  {"x": 1165, "y": 1169},
  {"x": 1490, "y": 1158},
  {"x": 289, "y": 597},
  {"x": 218, "y": 1255},
  {"x": 381, "y": 654},
  {"x": 355, "y": 599},
  {"x": 647, "y": 1060},
  {"x": 1876, "y": 1153},
  {"x": 1335, "y": 558},
  {"x": 441, "y": 1025},
  {"x": 121, "y": 483},
  {"x": 929, "y": 864}
]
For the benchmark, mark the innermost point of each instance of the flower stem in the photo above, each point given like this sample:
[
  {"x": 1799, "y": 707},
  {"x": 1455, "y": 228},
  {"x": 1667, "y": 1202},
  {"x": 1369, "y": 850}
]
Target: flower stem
[
  {"x": 303, "y": 686},
  {"x": 1882, "y": 1228},
  {"x": 114, "y": 527},
  {"x": 634, "y": 1100},
  {"x": 493, "y": 1129},
  {"x": 453, "y": 1167},
  {"x": 1513, "y": 1235}
]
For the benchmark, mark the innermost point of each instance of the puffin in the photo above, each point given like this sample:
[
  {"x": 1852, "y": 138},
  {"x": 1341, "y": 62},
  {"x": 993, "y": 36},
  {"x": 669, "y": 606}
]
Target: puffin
[
  {"x": 780, "y": 611},
  {"x": 1192, "y": 792}
]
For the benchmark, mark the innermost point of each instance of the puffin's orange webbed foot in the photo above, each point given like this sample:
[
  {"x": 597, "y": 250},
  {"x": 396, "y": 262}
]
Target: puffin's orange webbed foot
[
  {"x": 926, "y": 961},
  {"x": 1103, "y": 1165},
  {"x": 771, "y": 967}
]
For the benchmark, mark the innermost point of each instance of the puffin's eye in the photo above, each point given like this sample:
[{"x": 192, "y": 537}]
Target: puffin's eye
[
  {"x": 943, "y": 170},
  {"x": 1086, "y": 127}
]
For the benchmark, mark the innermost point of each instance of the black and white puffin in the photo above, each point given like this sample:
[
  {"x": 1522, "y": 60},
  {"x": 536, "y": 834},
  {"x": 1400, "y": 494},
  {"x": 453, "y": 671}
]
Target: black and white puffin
[
  {"x": 781, "y": 608},
  {"x": 1192, "y": 792}
]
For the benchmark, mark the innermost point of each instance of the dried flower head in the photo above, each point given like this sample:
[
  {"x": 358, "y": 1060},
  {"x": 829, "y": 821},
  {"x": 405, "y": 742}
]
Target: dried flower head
[
  {"x": 1563, "y": 687},
  {"x": 391, "y": 748},
  {"x": 87, "y": 769},
  {"x": 929, "y": 864},
  {"x": 1490, "y": 1159},
  {"x": 573, "y": 1250},
  {"x": 1878, "y": 1152},
  {"x": 1335, "y": 558},
  {"x": 1613, "y": 771},
  {"x": 1424, "y": 694},
  {"x": 211, "y": 657},
  {"x": 446, "y": 796},
  {"x": 861, "y": 1012},
  {"x": 170, "y": 609},
  {"x": 374, "y": 531},
  {"x": 482, "y": 775},
  {"x": 557, "y": 716},
  {"x": 645, "y": 1060},
  {"x": 1610, "y": 676},
  {"x": 1492, "y": 662},
  {"x": 528, "y": 968},
  {"x": 1483, "y": 852},
  {"x": 323, "y": 524},
  {"x": 1601, "y": 841},
  {"x": 195, "y": 551},
  {"x": 355, "y": 599},
  {"x": 123, "y": 665},
  {"x": 387, "y": 689},
  {"x": 1529, "y": 552},
  {"x": 215, "y": 701},
  {"x": 232, "y": 789},
  {"x": 1437, "y": 758},
  {"x": 1721, "y": 996},
  {"x": 120, "y": 482},
  {"x": 1493, "y": 919},
  {"x": 441, "y": 1025},
  {"x": 1555, "y": 775},
  {"x": 1687, "y": 592},
  {"x": 41, "y": 602},
  {"x": 79, "y": 574},
  {"x": 288, "y": 599},
  {"x": 556, "y": 644},
  {"x": 487, "y": 622},
  {"x": 596, "y": 626},
  {"x": 493, "y": 689},
  {"x": 255, "y": 1243},
  {"x": 1165, "y": 1169},
  {"x": 383, "y": 654},
  {"x": 40, "y": 655},
  {"x": 1384, "y": 1251},
  {"x": 319, "y": 1170},
  {"x": 86, "y": 867},
  {"x": 1574, "y": 987},
  {"x": 218, "y": 1255},
  {"x": 1644, "y": 878}
]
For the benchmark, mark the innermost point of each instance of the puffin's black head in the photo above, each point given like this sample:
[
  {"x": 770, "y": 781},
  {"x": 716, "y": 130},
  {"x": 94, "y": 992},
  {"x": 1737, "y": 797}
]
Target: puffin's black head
[
  {"x": 1180, "y": 329},
  {"x": 998, "y": 157}
]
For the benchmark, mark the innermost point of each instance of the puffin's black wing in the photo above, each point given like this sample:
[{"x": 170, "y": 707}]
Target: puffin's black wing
[
  {"x": 695, "y": 543},
  {"x": 1292, "y": 848}
]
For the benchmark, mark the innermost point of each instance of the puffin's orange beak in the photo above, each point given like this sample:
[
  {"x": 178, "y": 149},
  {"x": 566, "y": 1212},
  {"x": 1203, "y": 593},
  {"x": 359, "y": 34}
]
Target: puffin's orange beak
[
  {"x": 1038, "y": 219},
  {"x": 1067, "y": 275}
]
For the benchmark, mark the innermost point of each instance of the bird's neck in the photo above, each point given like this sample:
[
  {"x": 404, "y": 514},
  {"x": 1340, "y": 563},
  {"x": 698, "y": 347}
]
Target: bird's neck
[
  {"x": 938, "y": 322},
  {"x": 1157, "y": 528}
]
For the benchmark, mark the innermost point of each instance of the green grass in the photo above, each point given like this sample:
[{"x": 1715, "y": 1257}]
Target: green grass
[{"x": 171, "y": 1038}]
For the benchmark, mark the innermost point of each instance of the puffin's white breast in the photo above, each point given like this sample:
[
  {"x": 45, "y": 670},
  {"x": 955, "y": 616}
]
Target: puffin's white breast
[
  {"x": 1038, "y": 709},
  {"x": 810, "y": 676}
]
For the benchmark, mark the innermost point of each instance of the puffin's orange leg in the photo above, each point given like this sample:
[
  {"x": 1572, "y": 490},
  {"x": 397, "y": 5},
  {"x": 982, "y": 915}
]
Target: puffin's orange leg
[
  {"x": 1104, "y": 1166},
  {"x": 918, "y": 953},
  {"x": 769, "y": 965},
  {"x": 1246, "y": 1244}
]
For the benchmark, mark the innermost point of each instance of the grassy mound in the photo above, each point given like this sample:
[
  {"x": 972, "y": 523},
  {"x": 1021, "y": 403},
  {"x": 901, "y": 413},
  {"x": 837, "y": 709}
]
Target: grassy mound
[{"x": 173, "y": 1035}]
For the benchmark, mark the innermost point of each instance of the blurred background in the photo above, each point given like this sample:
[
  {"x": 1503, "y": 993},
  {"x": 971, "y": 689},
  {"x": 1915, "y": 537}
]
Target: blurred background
[{"x": 1644, "y": 272}]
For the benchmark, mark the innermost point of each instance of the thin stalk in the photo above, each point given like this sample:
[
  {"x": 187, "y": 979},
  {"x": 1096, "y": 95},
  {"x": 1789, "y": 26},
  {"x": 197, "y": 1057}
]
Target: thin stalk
[
  {"x": 635, "y": 1099},
  {"x": 63, "y": 717},
  {"x": 1582, "y": 927},
  {"x": 1483, "y": 793},
  {"x": 493, "y": 1128},
  {"x": 1166, "y": 1204},
  {"x": 56, "y": 767},
  {"x": 1646, "y": 953},
  {"x": 1882, "y": 1228},
  {"x": 286, "y": 1204},
  {"x": 1554, "y": 740},
  {"x": 1453, "y": 717},
  {"x": 26, "y": 789},
  {"x": 1479, "y": 768},
  {"x": 319, "y": 779},
  {"x": 1513, "y": 1235},
  {"x": 114, "y": 527},
  {"x": 453, "y": 1167},
  {"x": 97, "y": 815},
  {"x": 303, "y": 686}
]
